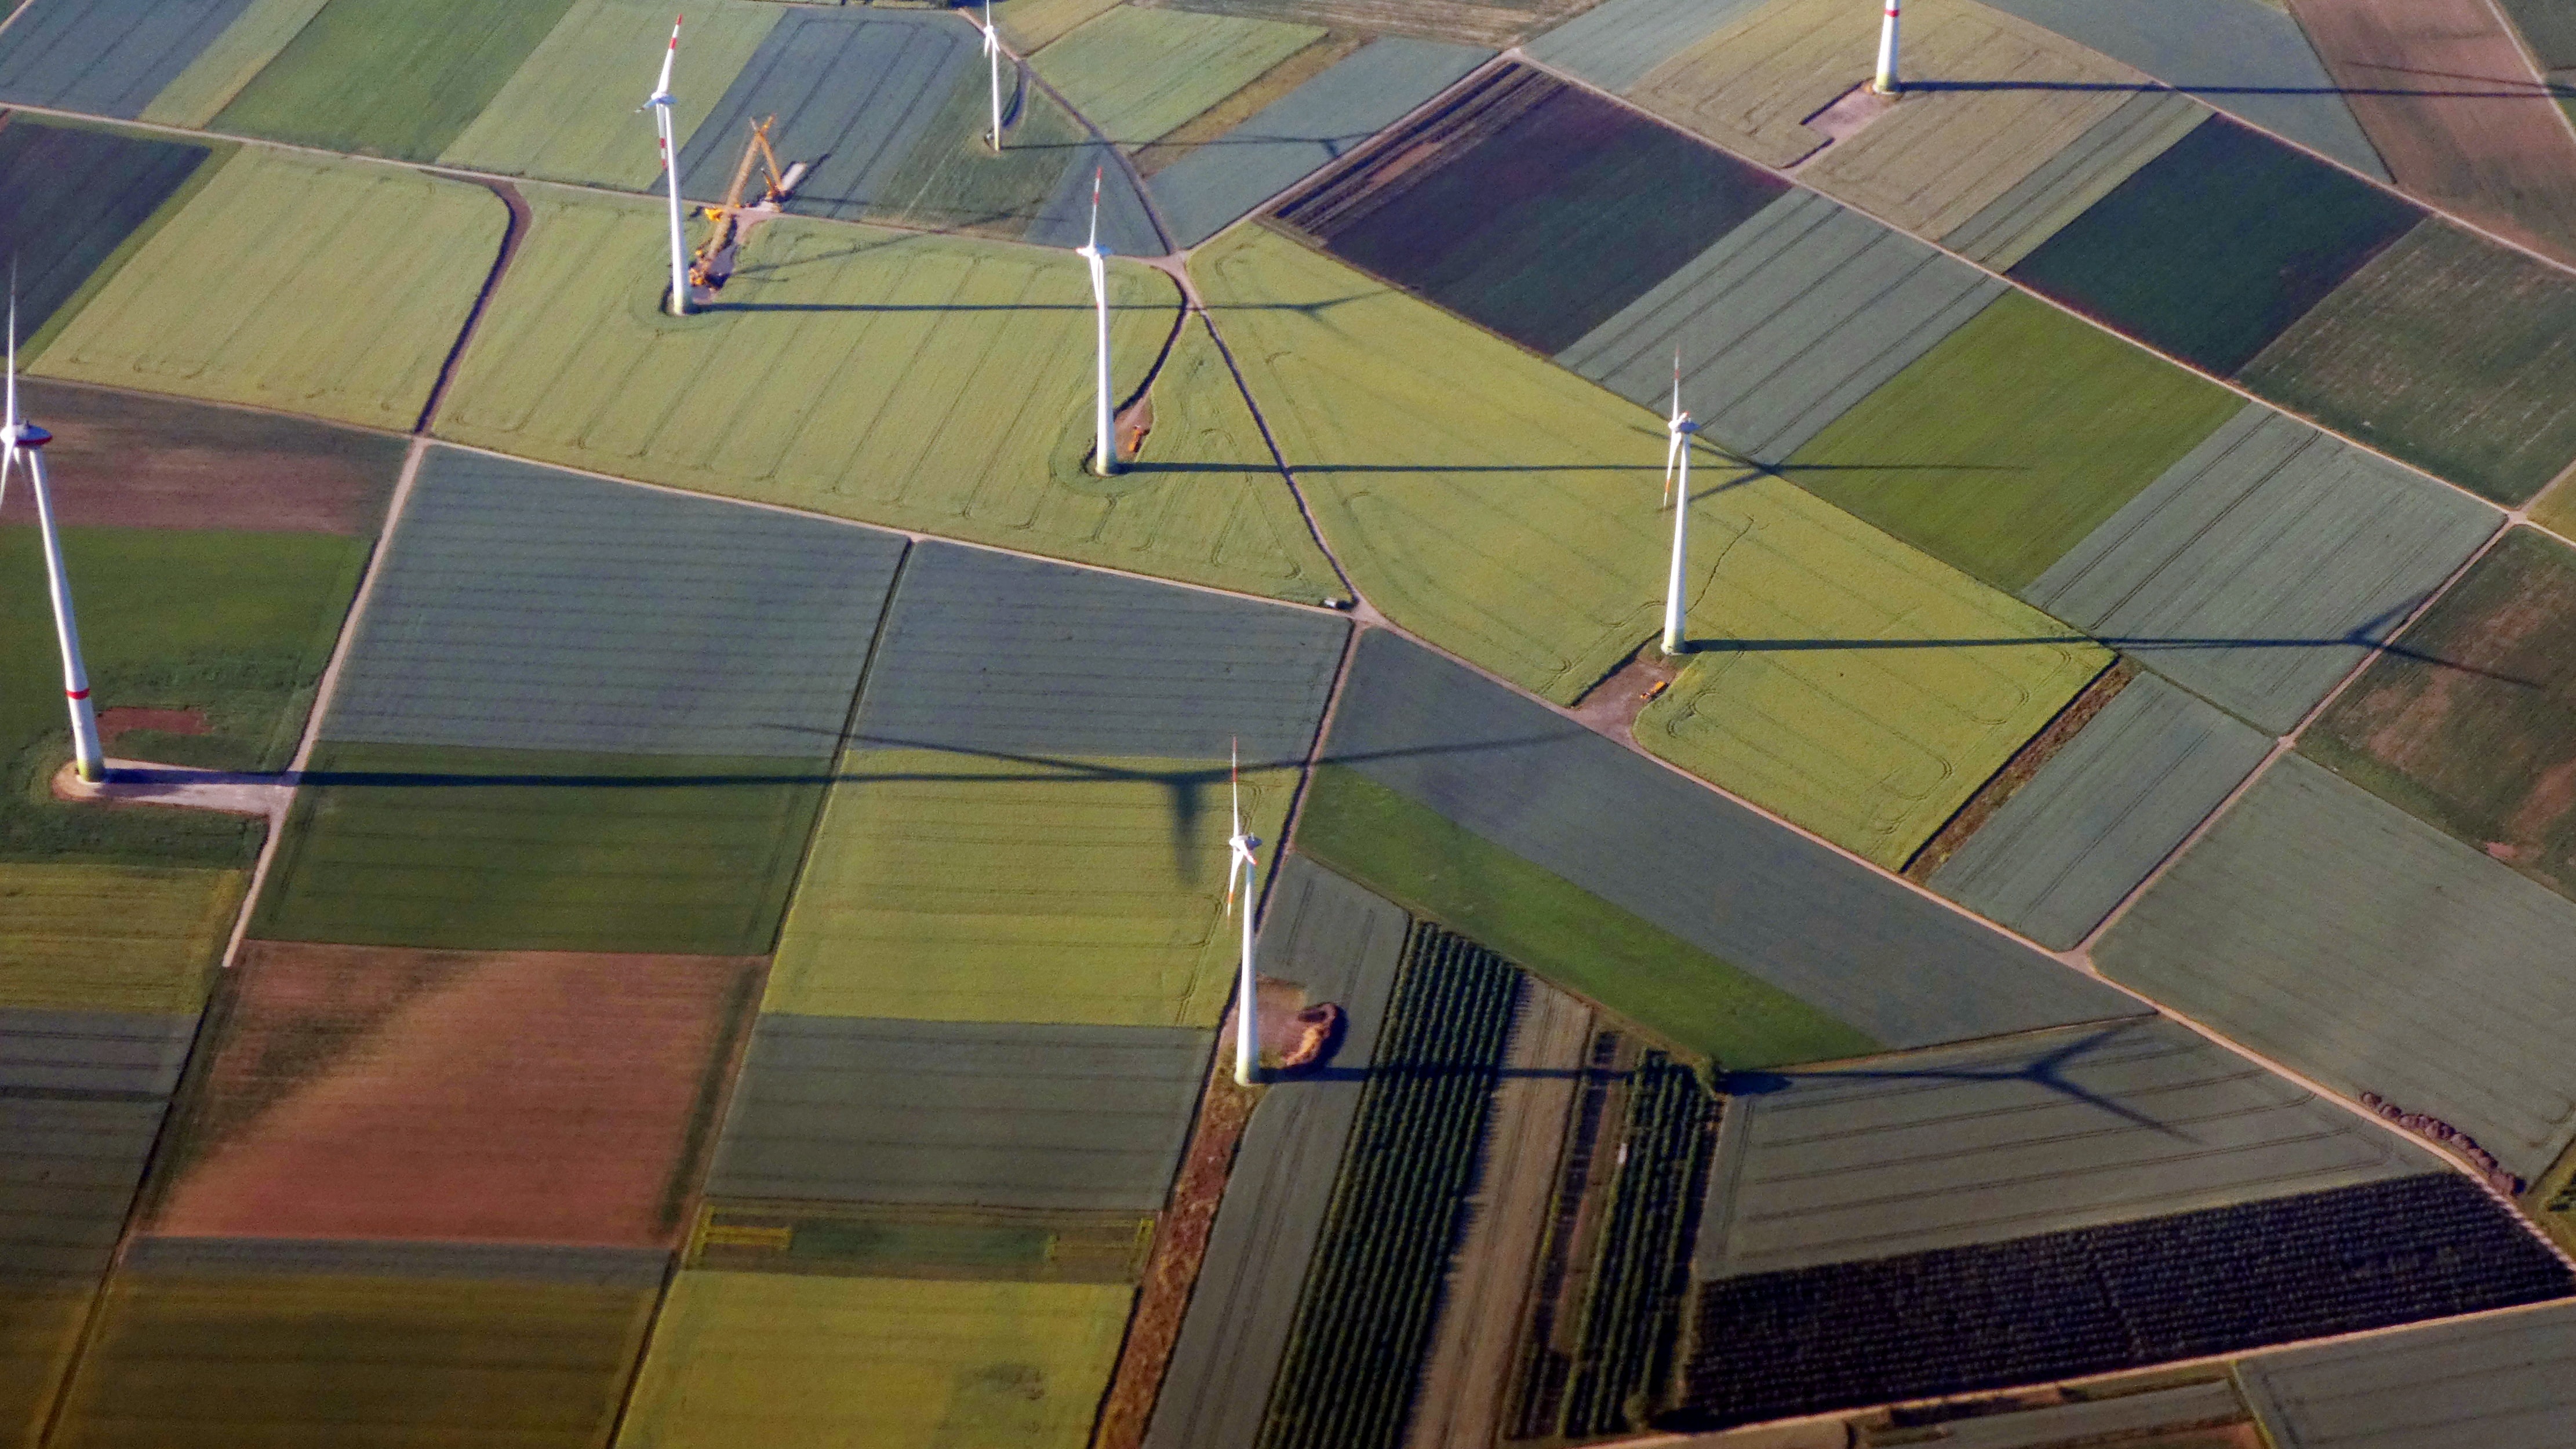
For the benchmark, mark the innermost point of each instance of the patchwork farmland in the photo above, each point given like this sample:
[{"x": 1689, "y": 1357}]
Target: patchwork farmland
[{"x": 769, "y": 803}]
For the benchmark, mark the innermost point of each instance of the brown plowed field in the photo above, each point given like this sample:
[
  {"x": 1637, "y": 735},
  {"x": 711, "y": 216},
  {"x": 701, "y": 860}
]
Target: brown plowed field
[
  {"x": 2455, "y": 110},
  {"x": 128, "y": 459},
  {"x": 360, "y": 1092}
]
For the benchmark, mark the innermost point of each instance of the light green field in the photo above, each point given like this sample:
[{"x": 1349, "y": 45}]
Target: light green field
[
  {"x": 767, "y": 1361},
  {"x": 1137, "y": 74},
  {"x": 569, "y": 113},
  {"x": 391, "y": 77},
  {"x": 1028, "y": 25},
  {"x": 950, "y": 887},
  {"x": 219, "y": 72},
  {"x": 112, "y": 937},
  {"x": 321, "y": 287},
  {"x": 935, "y": 383},
  {"x": 2011, "y": 439}
]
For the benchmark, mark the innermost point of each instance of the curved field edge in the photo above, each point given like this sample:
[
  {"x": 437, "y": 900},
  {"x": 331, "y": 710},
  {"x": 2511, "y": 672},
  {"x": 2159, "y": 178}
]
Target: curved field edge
[
  {"x": 937, "y": 384},
  {"x": 1556, "y": 929},
  {"x": 349, "y": 318}
]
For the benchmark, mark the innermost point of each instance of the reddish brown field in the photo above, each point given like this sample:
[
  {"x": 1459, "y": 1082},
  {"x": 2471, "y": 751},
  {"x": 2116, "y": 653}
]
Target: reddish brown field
[
  {"x": 363, "y": 1092},
  {"x": 2456, "y": 111},
  {"x": 127, "y": 459}
]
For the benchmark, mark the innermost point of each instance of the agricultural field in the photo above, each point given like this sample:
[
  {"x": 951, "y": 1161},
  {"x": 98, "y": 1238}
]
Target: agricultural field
[
  {"x": 108, "y": 59},
  {"x": 1340, "y": 944},
  {"x": 1615, "y": 44},
  {"x": 2482, "y": 137},
  {"x": 1490, "y": 23},
  {"x": 2125, "y": 1123},
  {"x": 113, "y": 937},
  {"x": 2067, "y": 184},
  {"x": 2011, "y": 440},
  {"x": 2494, "y": 1381},
  {"x": 566, "y": 115},
  {"x": 1222, "y": 173},
  {"x": 1476, "y": 204},
  {"x": 802, "y": 1361},
  {"x": 133, "y": 460},
  {"x": 540, "y": 850},
  {"x": 387, "y": 77},
  {"x": 93, "y": 190},
  {"x": 1783, "y": 325},
  {"x": 1822, "y": 958},
  {"x": 348, "y": 319},
  {"x": 391, "y": 1095},
  {"x": 2266, "y": 565},
  {"x": 676, "y": 625},
  {"x": 992, "y": 1114},
  {"x": 2333, "y": 932},
  {"x": 577, "y": 366},
  {"x": 2245, "y": 58},
  {"x": 234, "y": 58},
  {"x": 2487, "y": 395},
  {"x": 1872, "y": 713},
  {"x": 2093, "y": 1300},
  {"x": 2216, "y": 246},
  {"x": 2070, "y": 843},
  {"x": 332, "y": 1360},
  {"x": 1136, "y": 74},
  {"x": 2466, "y": 721}
]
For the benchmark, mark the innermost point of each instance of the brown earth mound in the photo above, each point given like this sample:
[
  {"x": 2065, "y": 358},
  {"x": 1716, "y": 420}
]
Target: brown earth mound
[{"x": 362, "y": 1092}]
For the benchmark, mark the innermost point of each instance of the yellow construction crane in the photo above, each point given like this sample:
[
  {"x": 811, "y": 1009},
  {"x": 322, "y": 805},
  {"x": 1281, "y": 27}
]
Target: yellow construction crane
[{"x": 731, "y": 218}]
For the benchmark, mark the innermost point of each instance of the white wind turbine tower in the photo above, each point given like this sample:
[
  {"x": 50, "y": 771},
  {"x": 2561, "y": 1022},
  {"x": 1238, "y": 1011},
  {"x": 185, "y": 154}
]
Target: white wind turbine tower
[
  {"x": 1885, "y": 83},
  {"x": 25, "y": 438},
  {"x": 1104, "y": 458},
  {"x": 993, "y": 63},
  {"x": 1239, "y": 857},
  {"x": 1677, "y": 466},
  {"x": 659, "y": 103}
]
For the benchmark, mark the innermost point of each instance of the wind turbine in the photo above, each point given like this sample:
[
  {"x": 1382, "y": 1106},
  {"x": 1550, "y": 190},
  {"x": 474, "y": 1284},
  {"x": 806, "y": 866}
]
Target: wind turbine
[
  {"x": 1239, "y": 856},
  {"x": 1104, "y": 458},
  {"x": 993, "y": 63},
  {"x": 659, "y": 103},
  {"x": 1677, "y": 465},
  {"x": 26, "y": 438},
  {"x": 1885, "y": 83}
]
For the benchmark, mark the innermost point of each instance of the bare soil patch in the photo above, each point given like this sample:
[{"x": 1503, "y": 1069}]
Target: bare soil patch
[
  {"x": 118, "y": 721},
  {"x": 508, "y": 1097},
  {"x": 1612, "y": 706},
  {"x": 2456, "y": 111},
  {"x": 123, "y": 459}
]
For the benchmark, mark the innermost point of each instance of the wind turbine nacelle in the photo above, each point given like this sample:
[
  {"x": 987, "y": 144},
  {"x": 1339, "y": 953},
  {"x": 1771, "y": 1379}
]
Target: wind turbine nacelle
[{"x": 26, "y": 435}]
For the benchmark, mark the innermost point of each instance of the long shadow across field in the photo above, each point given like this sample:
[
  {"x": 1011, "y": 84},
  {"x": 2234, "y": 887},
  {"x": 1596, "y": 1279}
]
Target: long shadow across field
[{"x": 2517, "y": 90}]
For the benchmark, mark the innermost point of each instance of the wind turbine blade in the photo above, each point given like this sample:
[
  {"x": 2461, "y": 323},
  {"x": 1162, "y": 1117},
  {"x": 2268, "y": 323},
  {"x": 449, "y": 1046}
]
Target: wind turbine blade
[
  {"x": 662, "y": 87},
  {"x": 1677, "y": 385},
  {"x": 1672, "y": 461},
  {"x": 1234, "y": 776},
  {"x": 13, "y": 353},
  {"x": 1095, "y": 206}
]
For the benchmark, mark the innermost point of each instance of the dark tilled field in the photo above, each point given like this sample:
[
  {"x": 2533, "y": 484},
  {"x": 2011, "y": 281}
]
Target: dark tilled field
[
  {"x": 2209, "y": 251},
  {"x": 2097, "y": 1300},
  {"x": 1530, "y": 206},
  {"x": 68, "y": 197}
]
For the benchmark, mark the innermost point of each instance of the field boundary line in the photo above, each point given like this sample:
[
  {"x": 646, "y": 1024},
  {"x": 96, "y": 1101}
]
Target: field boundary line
[
  {"x": 2195, "y": 370},
  {"x": 1126, "y": 164},
  {"x": 1270, "y": 440},
  {"x": 1314, "y": 757},
  {"x": 2530, "y": 57},
  {"x": 513, "y": 233}
]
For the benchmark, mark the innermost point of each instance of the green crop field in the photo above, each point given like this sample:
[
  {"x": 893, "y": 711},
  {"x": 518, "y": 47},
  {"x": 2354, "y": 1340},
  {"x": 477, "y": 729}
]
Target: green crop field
[
  {"x": 234, "y": 626},
  {"x": 322, "y": 287},
  {"x": 40, "y": 1328},
  {"x": 113, "y": 938},
  {"x": 961, "y": 887},
  {"x": 2471, "y": 723},
  {"x": 1137, "y": 74},
  {"x": 472, "y": 849},
  {"x": 2447, "y": 351},
  {"x": 762, "y": 1361},
  {"x": 949, "y": 390},
  {"x": 332, "y": 1362},
  {"x": 2011, "y": 439},
  {"x": 393, "y": 77},
  {"x": 1852, "y": 685},
  {"x": 1559, "y": 930},
  {"x": 230, "y": 62},
  {"x": 568, "y": 113}
]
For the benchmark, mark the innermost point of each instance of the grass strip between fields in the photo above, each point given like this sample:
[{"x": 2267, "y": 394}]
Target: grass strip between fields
[{"x": 1566, "y": 934}]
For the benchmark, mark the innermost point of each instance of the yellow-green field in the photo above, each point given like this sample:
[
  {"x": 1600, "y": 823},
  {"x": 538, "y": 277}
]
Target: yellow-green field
[
  {"x": 321, "y": 287},
  {"x": 924, "y": 382},
  {"x": 219, "y": 72},
  {"x": 38, "y": 1328},
  {"x": 112, "y": 937},
  {"x": 954, "y": 887},
  {"x": 762, "y": 1361},
  {"x": 568, "y": 115},
  {"x": 1137, "y": 73}
]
